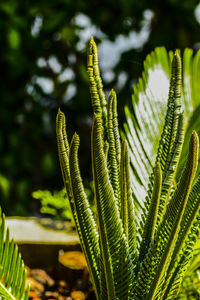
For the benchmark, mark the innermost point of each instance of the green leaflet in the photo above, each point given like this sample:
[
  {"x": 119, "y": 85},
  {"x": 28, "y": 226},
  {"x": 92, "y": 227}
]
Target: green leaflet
[{"x": 63, "y": 151}]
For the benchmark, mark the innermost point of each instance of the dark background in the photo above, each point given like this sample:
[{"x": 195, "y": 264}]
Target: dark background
[{"x": 43, "y": 66}]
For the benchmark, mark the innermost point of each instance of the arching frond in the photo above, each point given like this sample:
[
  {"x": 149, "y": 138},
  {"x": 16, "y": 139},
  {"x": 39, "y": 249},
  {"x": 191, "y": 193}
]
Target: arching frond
[
  {"x": 114, "y": 150},
  {"x": 12, "y": 272},
  {"x": 157, "y": 258},
  {"x": 149, "y": 103},
  {"x": 144, "y": 124},
  {"x": 98, "y": 99},
  {"x": 85, "y": 218},
  {"x": 117, "y": 261},
  {"x": 81, "y": 210},
  {"x": 168, "y": 141}
]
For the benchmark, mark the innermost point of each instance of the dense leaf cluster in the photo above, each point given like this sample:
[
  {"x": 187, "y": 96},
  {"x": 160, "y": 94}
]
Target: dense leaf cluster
[{"x": 132, "y": 255}]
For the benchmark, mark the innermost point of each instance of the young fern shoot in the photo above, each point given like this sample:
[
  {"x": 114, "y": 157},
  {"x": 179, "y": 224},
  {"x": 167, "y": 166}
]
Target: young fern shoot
[{"x": 132, "y": 257}]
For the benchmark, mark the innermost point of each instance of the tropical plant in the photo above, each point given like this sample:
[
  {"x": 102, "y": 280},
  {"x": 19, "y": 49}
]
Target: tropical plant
[
  {"x": 12, "y": 271},
  {"x": 132, "y": 256}
]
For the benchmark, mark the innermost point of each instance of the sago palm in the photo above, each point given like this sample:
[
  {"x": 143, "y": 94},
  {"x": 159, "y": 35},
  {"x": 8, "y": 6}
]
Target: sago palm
[{"x": 132, "y": 255}]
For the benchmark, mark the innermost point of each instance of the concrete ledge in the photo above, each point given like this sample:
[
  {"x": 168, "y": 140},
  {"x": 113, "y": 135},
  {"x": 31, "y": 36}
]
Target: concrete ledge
[
  {"x": 41, "y": 231},
  {"x": 40, "y": 240}
]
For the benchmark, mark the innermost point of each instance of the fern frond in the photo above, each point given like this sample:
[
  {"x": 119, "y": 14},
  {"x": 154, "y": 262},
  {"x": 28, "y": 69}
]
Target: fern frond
[
  {"x": 143, "y": 126},
  {"x": 174, "y": 106},
  {"x": 171, "y": 166},
  {"x": 83, "y": 217},
  {"x": 98, "y": 98},
  {"x": 117, "y": 262},
  {"x": 191, "y": 212},
  {"x": 170, "y": 138},
  {"x": 114, "y": 145},
  {"x": 63, "y": 152},
  {"x": 156, "y": 261},
  {"x": 181, "y": 195}
]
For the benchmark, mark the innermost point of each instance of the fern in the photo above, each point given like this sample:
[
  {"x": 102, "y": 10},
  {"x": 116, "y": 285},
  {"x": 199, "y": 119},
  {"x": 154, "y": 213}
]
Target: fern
[{"x": 133, "y": 255}]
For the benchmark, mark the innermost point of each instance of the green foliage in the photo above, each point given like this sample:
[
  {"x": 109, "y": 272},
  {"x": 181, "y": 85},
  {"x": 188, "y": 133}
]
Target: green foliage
[
  {"x": 55, "y": 204},
  {"x": 132, "y": 256},
  {"x": 190, "y": 288},
  {"x": 12, "y": 272}
]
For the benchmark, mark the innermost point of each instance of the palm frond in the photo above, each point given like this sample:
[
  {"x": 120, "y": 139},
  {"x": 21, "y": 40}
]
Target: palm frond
[
  {"x": 117, "y": 261},
  {"x": 157, "y": 258},
  {"x": 144, "y": 124},
  {"x": 167, "y": 141},
  {"x": 12, "y": 271},
  {"x": 83, "y": 217},
  {"x": 114, "y": 150},
  {"x": 149, "y": 103},
  {"x": 98, "y": 99}
]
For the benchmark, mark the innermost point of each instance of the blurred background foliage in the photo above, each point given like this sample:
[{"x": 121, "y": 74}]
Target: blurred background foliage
[{"x": 43, "y": 67}]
